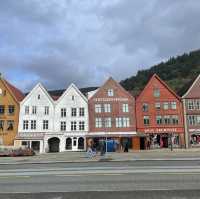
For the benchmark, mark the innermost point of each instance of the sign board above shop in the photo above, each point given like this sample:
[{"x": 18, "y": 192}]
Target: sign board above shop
[
  {"x": 161, "y": 130},
  {"x": 110, "y": 99}
]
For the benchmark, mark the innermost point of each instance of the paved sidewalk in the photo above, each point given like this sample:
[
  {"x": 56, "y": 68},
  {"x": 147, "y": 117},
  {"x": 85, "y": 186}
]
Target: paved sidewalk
[{"x": 151, "y": 155}]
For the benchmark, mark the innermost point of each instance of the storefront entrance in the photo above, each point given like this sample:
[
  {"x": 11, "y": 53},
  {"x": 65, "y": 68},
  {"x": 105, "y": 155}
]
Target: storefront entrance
[
  {"x": 74, "y": 143},
  {"x": 54, "y": 144},
  {"x": 164, "y": 140}
]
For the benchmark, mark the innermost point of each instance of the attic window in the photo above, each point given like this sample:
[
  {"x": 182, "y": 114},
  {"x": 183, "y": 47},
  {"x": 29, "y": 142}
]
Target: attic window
[
  {"x": 156, "y": 92},
  {"x": 110, "y": 92},
  {"x": 1, "y": 92},
  {"x": 72, "y": 97},
  {"x": 38, "y": 96}
]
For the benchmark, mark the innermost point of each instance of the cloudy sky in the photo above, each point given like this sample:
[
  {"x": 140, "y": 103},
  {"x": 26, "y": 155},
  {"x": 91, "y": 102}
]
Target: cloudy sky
[{"x": 58, "y": 42}]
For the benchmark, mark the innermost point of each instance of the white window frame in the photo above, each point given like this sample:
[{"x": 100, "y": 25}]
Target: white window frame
[
  {"x": 98, "y": 108},
  {"x": 125, "y": 108}
]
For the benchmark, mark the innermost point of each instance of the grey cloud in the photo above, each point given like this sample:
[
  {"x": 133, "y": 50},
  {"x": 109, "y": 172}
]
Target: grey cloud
[{"x": 85, "y": 42}]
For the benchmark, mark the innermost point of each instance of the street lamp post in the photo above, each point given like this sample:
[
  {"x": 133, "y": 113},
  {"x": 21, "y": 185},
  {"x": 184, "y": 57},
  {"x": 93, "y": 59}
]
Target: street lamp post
[{"x": 171, "y": 142}]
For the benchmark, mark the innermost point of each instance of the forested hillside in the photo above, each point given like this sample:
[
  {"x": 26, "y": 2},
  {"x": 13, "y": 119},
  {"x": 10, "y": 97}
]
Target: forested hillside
[{"x": 178, "y": 72}]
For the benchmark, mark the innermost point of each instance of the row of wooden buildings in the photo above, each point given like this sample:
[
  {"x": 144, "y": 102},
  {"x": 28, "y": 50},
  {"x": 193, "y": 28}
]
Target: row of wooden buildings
[{"x": 64, "y": 120}]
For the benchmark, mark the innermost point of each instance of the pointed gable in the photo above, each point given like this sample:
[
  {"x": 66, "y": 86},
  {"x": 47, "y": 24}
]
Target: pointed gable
[
  {"x": 118, "y": 90},
  {"x": 156, "y": 83},
  {"x": 39, "y": 89},
  {"x": 194, "y": 90},
  {"x": 72, "y": 89},
  {"x": 15, "y": 92}
]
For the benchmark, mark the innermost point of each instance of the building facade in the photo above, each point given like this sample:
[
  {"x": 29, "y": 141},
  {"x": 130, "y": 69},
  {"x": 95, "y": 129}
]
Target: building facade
[
  {"x": 71, "y": 119},
  {"x": 191, "y": 102},
  {"x": 45, "y": 123},
  {"x": 10, "y": 98},
  {"x": 112, "y": 114},
  {"x": 159, "y": 113},
  {"x": 36, "y": 120}
]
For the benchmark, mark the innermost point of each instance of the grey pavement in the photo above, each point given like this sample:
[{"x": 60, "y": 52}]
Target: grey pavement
[
  {"x": 175, "y": 194},
  {"x": 99, "y": 176},
  {"x": 165, "y": 154}
]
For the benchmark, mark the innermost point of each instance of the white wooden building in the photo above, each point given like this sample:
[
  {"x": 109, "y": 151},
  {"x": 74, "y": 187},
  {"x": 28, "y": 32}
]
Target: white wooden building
[{"x": 48, "y": 125}]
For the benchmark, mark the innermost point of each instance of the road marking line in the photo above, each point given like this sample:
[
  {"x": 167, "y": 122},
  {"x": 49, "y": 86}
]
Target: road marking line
[
  {"x": 7, "y": 177},
  {"x": 90, "y": 174}
]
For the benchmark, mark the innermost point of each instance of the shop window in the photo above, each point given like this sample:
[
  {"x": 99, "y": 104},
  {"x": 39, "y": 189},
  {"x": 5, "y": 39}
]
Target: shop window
[
  {"x": 145, "y": 107},
  {"x": 195, "y": 139},
  {"x": 68, "y": 145},
  {"x": 146, "y": 120},
  {"x": 156, "y": 92}
]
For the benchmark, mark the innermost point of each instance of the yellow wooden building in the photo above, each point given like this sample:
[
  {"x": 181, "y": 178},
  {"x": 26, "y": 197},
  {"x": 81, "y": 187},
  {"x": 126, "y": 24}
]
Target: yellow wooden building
[{"x": 10, "y": 98}]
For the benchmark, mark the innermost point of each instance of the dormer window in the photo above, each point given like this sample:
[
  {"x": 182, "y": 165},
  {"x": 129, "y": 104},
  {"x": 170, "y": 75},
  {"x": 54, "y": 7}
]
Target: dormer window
[
  {"x": 38, "y": 96},
  {"x": 110, "y": 92},
  {"x": 72, "y": 97},
  {"x": 1, "y": 92}
]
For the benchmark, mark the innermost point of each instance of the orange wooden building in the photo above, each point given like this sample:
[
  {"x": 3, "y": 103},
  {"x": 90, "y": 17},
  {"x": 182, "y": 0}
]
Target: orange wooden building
[{"x": 159, "y": 115}]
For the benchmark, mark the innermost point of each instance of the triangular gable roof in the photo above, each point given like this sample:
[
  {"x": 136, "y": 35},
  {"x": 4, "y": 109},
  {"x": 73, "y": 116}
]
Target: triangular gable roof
[
  {"x": 43, "y": 89},
  {"x": 66, "y": 91},
  {"x": 15, "y": 92},
  {"x": 115, "y": 82},
  {"x": 192, "y": 86},
  {"x": 163, "y": 83}
]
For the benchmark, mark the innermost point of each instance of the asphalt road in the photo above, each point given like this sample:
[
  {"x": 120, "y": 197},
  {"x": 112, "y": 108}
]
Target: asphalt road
[{"x": 155, "y": 179}]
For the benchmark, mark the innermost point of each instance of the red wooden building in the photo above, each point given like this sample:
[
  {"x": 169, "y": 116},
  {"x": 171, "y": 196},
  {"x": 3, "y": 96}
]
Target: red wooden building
[
  {"x": 112, "y": 114},
  {"x": 159, "y": 113}
]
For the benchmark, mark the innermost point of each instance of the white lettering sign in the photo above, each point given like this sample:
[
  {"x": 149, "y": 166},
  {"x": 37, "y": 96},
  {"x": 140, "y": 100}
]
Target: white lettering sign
[
  {"x": 110, "y": 99},
  {"x": 161, "y": 130}
]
